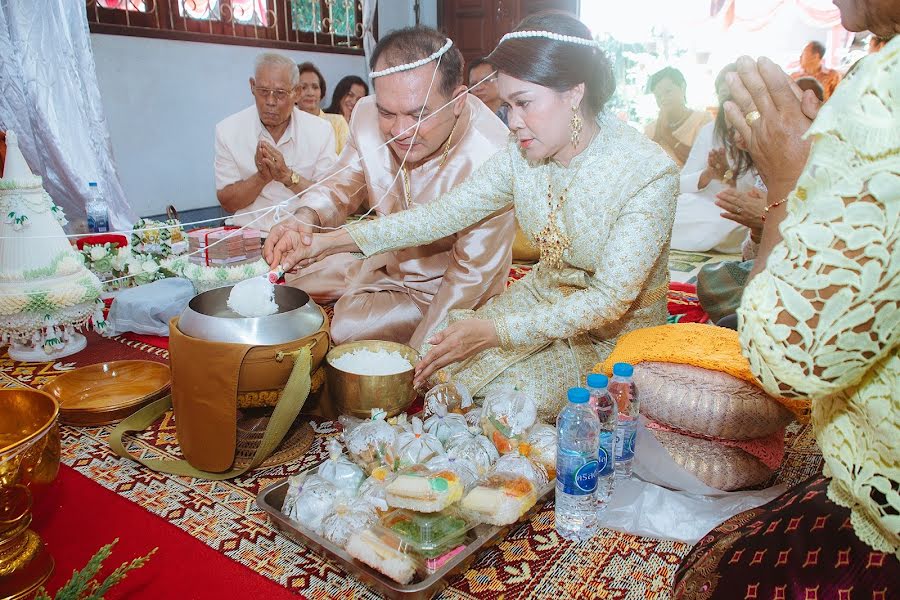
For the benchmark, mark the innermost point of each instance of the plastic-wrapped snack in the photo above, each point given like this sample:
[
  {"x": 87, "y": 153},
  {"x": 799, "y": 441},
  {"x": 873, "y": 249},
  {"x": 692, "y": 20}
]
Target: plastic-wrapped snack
[
  {"x": 338, "y": 469},
  {"x": 519, "y": 464},
  {"x": 373, "y": 488},
  {"x": 464, "y": 468},
  {"x": 400, "y": 422},
  {"x": 429, "y": 535},
  {"x": 347, "y": 518},
  {"x": 454, "y": 396},
  {"x": 309, "y": 499},
  {"x": 506, "y": 416},
  {"x": 500, "y": 499},
  {"x": 383, "y": 551},
  {"x": 542, "y": 447},
  {"x": 372, "y": 442},
  {"x": 415, "y": 446},
  {"x": 424, "y": 490},
  {"x": 443, "y": 425},
  {"x": 348, "y": 424},
  {"x": 472, "y": 446},
  {"x": 473, "y": 418}
]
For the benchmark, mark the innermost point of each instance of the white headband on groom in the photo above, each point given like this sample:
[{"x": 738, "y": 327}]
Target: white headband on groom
[{"x": 413, "y": 65}]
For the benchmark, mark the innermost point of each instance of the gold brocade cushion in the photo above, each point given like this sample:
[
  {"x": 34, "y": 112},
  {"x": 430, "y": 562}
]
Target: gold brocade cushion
[
  {"x": 265, "y": 398},
  {"x": 722, "y": 467},
  {"x": 708, "y": 403}
]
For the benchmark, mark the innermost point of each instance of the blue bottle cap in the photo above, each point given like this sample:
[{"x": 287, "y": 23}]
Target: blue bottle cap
[
  {"x": 623, "y": 370},
  {"x": 578, "y": 395},
  {"x": 597, "y": 380}
]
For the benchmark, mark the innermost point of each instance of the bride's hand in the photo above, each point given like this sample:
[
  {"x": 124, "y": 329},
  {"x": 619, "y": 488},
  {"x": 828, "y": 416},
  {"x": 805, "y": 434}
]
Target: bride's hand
[
  {"x": 457, "y": 342},
  {"x": 296, "y": 253}
]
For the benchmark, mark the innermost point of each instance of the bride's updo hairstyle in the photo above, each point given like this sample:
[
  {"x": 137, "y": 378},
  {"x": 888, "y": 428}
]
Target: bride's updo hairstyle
[{"x": 557, "y": 64}]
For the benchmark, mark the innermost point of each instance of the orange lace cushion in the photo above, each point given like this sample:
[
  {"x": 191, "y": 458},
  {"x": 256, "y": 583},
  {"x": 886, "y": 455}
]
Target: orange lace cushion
[{"x": 707, "y": 403}]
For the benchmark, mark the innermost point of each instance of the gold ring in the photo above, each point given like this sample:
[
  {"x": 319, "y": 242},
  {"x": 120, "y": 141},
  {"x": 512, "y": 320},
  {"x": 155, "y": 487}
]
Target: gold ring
[{"x": 752, "y": 116}]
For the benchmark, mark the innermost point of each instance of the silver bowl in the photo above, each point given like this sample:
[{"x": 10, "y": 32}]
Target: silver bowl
[{"x": 208, "y": 317}]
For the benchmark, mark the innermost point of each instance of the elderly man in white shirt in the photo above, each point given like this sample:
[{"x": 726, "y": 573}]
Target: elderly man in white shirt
[{"x": 271, "y": 151}]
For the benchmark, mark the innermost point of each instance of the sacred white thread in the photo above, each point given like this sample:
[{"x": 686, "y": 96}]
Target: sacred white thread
[
  {"x": 413, "y": 65},
  {"x": 569, "y": 39}
]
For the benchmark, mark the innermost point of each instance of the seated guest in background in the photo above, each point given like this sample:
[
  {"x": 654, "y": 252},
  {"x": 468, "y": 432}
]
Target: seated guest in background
[
  {"x": 346, "y": 94},
  {"x": 486, "y": 91},
  {"x": 810, "y": 83},
  {"x": 715, "y": 165},
  {"x": 401, "y": 295},
  {"x": 677, "y": 126},
  {"x": 312, "y": 91},
  {"x": 271, "y": 151},
  {"x": 811, "y": 66}
]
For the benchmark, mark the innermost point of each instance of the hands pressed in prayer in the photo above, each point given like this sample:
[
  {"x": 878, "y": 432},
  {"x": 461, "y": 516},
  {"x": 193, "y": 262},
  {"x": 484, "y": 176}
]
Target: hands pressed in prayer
[
  {"x": 261, "y": 166},
  {"x": 457, "y": 342},
  {"x": 771, "y": 114},
  {"x": 746, "y": 208},
  {"x": 716, "y": 168},
  {"x": 273, "y": 161},
  {"x": 775, "y": 137}
]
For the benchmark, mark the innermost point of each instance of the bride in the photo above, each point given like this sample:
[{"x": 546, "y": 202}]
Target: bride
[{"x": 596, "y": 196}]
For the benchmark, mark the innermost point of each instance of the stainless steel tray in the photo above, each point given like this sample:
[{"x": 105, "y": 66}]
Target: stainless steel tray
[{"x": 482, "y": 536}]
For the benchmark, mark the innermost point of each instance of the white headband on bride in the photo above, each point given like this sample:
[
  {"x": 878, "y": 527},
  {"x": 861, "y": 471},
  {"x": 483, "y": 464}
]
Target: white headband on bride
[
  {"x": 413, "y": 65},
  {"x": 569, "y": 39}
]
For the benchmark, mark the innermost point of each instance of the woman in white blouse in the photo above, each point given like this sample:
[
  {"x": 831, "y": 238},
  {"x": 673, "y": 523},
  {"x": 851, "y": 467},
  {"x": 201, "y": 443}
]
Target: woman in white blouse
[{"x": 715, "y": 167}]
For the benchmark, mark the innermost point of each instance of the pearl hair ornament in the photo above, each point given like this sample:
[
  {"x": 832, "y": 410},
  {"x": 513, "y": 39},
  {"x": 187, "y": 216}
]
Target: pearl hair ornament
[
  {"x": 413, "y": 65},
  {"x": 569, "y": 39}
]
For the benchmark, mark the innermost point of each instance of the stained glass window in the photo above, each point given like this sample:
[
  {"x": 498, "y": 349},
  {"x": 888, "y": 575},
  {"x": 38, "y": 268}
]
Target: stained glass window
[
  {"x": 132, "y": 5},
  {"x": 306, "y": 15},
  {"x": 344, "y": 17}
]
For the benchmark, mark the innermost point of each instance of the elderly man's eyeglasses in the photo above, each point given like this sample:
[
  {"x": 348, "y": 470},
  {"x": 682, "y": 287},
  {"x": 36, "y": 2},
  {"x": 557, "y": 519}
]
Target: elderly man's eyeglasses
[{"x": 263, "y": 93}]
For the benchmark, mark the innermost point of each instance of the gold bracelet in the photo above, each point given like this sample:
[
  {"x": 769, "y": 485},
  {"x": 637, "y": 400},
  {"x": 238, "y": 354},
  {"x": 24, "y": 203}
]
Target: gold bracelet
[{"x": 773, "y": 205}]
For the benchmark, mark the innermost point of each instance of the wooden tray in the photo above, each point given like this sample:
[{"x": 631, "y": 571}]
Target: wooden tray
[{"x": 108, "y": 392}]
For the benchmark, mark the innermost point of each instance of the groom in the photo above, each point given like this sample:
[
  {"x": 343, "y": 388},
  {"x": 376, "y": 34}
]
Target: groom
[{"x": 401, "y": 296}]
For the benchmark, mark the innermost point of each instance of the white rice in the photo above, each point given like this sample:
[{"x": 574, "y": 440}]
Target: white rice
[
  {"x": 367, "y": 362},
  {"x": 253, "y": 297}
]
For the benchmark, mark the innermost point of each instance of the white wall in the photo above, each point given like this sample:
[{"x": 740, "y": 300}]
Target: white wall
[
  {"x": 162, "y": 100},
  {"x": 394, "y": 14}
]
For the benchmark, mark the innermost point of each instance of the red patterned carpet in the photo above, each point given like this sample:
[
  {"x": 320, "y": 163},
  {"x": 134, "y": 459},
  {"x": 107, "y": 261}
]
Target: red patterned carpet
[
  {"x": 532, "y": 562},
  {"x": 247, "y": 558}
]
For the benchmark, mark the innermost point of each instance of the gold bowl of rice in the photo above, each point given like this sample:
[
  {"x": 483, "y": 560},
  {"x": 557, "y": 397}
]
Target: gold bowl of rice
[{"x": 371, "y": 374}]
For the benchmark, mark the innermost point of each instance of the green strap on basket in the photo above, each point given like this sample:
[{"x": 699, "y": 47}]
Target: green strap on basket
[{"x": 290, "y": 402}]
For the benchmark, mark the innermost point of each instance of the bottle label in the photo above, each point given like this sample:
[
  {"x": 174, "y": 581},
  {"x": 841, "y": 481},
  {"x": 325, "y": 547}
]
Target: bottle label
[
  {"x": 625, "y": 440},
  {"x": 605, "y": 463},
  {"x": 580, "y": 481}
]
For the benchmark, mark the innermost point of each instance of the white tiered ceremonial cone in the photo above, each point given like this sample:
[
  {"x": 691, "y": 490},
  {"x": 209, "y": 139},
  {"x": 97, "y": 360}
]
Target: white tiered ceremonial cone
[{"x": 46, "y": 293}]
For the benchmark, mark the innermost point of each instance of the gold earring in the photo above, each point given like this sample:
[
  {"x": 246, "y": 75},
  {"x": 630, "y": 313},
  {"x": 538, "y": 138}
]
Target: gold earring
[{"x": 575, "y": 125}]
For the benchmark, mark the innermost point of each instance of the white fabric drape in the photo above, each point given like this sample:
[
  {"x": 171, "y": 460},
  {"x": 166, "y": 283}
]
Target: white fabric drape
[
  {"x": 51, "y": 99},
  {"x": 369, "y": 8}
]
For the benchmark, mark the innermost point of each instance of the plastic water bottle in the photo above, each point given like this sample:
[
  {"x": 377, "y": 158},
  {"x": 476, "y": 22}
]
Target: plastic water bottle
[
  {"x": 578, "y": 432},
  {"x": 607, "y": 414},
  {"x": 97, "y": 211},
  {"x": 622, "y": 389}
]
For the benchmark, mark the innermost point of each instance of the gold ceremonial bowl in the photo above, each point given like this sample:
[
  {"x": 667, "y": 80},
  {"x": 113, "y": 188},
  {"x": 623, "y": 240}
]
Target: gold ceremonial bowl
[
  {"x": 29, "y": 462},
  {"x": 357, "y": 395}
]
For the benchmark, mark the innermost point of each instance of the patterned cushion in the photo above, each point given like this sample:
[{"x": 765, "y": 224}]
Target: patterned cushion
[
  {"x": 705, "y": 402},
  {"x": 719, "y": 466}
]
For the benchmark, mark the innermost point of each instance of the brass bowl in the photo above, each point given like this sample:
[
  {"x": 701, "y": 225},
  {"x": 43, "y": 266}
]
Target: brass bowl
[
  {"x": 29, "y": 461},
  {"x": 29, "y": 438},
  {"x": 357, "y": 395}
]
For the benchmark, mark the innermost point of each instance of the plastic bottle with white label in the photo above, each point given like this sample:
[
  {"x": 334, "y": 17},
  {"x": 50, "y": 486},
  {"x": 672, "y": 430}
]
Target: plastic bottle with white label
[
  {"x": 578, "y": 439},
  {"x": 605, "y": 407}
]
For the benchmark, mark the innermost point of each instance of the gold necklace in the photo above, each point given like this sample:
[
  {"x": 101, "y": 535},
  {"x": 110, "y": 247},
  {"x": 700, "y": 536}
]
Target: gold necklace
[
  {"x": 552, "y": 240},
  {"x": 404, "y": 172}
]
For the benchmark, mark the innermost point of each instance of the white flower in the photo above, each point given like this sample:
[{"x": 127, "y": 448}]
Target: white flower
[
  {"x": 120, "y": 261},
  {"x": 150, "y": 266},
  {"x": 98, "y": 253}
]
